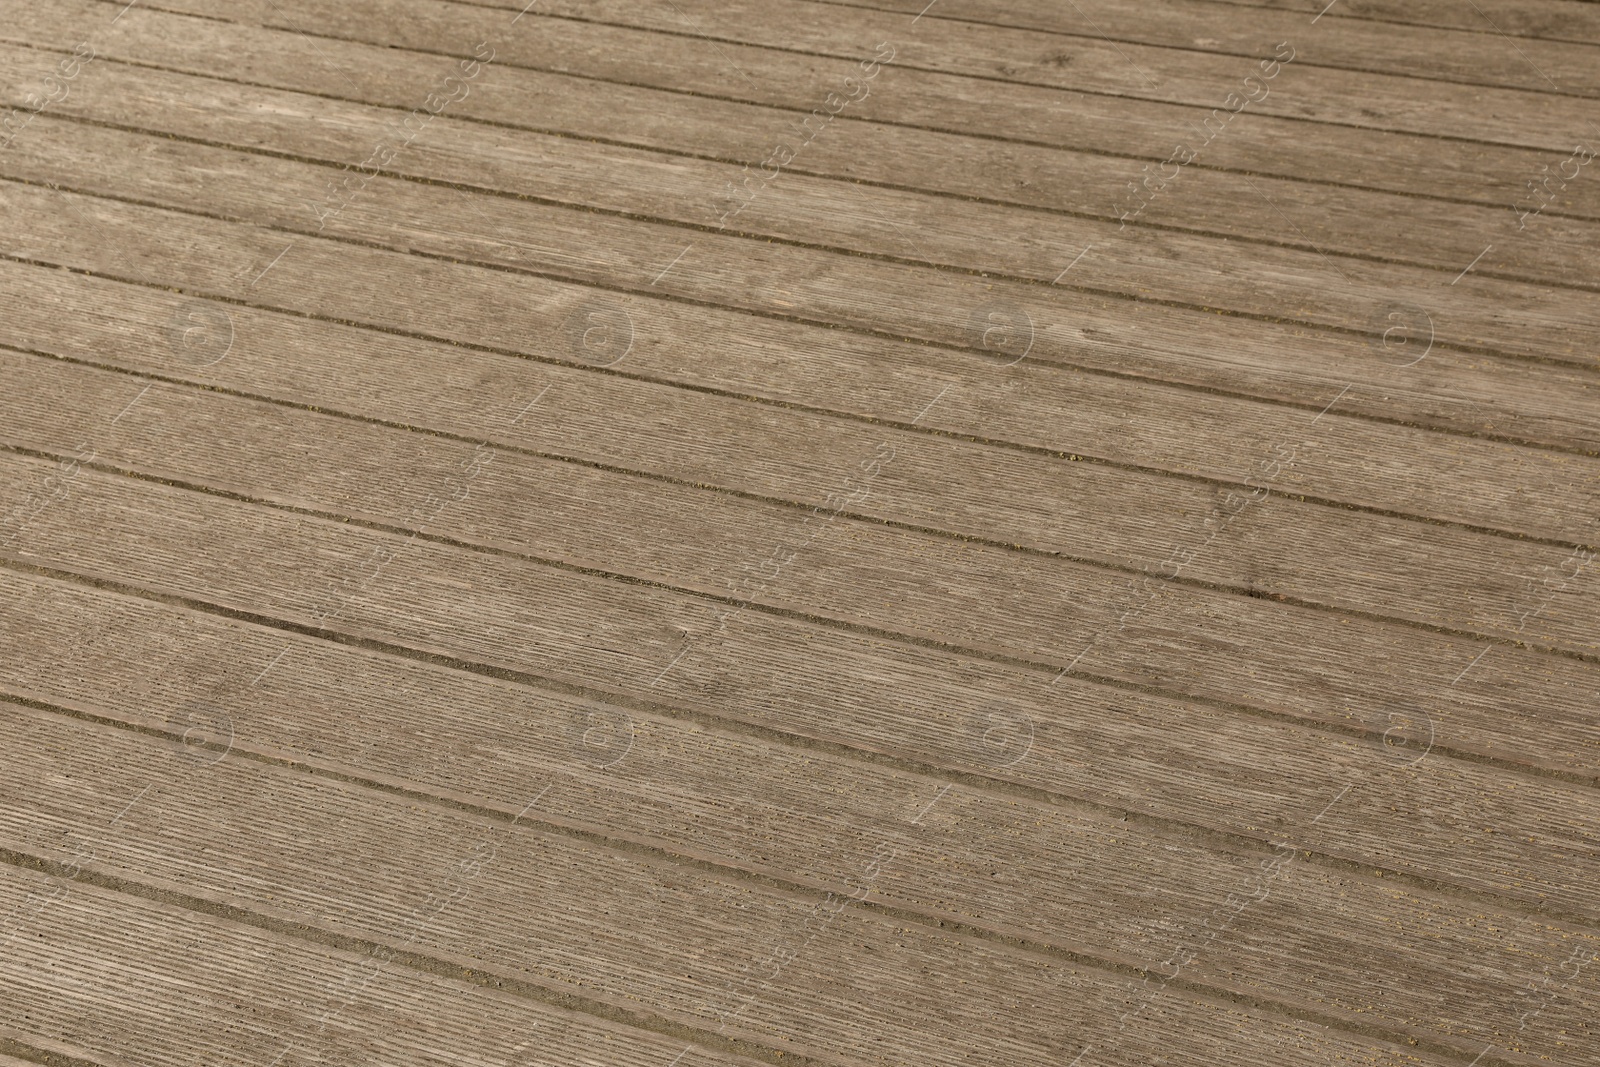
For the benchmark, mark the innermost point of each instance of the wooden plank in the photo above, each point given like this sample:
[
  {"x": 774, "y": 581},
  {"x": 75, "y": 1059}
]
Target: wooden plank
[
  {"x": 878, "y": 138},
  {"x": 963, "y": 592},
  {"x": 1472, "y": 54},
  {"x": 1196, "y": 79},
  {"x": 1114, "y": 336},
  {"x": 1076, "y": 511},
  {"x": 545, "y": 910},
  {"x": 1558, "y": 20},
  {"x": 738, "y": 699},
  {"x": 1262, "y": 282},
  {"x": 129, "y": 980},
  {"x": 1252, "y": 656},
  {"x": 675, "y": 781}
]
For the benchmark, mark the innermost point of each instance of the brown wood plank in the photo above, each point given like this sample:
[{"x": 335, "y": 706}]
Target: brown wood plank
[
  {"x": 164, "y": 979},
  {"x": 1263, "y": 282},
  {"x": 237, "y": 258},
  {"x": 546, "y": 910},
  {"x": 87, "y": 319},
  {"x": 1492, "y": 115},
  {"x": 1557, "y": 20},
  {"x": 1475, "y": 55},
  {"x": 876, "y": 139},
  {"x": 964, "y": 592},
  {"x": 1078, "y": 509},
  {"x": 692, "y": 785},
  {"x": 368, "y": 552},
  {"x": 1256, "y": 657}
]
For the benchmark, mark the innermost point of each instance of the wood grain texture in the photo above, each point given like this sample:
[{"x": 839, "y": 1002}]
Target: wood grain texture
[
  {"x": 341, "y": 467},
  {"x": 86, "y": 319},
  {"x": 163, "y": 978},
  {"x": 504, "y": 576},
  {"x": 1193, "y": 270},
  {"x": 597, "y": 81},
  {"x": 942, "y": 307},
  {"x": 1477, "y": 55},
  {"x": 541, "y": 903},
  {"x": 1197, "y": 79},
  {"x": 522, "y": 614},
  {"x": 1556, "y": 20},
  {"x": 775, "y": 806}
]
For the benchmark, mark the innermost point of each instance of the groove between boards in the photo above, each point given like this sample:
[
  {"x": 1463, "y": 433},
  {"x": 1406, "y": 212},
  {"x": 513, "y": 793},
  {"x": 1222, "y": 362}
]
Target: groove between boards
[
  {"x": 977, "y": 135},
  {"x": 739, "y": 727},
  {"x": 645, "y": 292},
  {"x": 948, "y": 926},
  {"x": 785, "y": 502},
  {"x": 945, "y": 73},
  {"x": 12, "y": 1046},
  {"x": 791, "y": 1058},
  {"x": 794, "y": 242},
  {"x": 774, "y": 609},
  {"x": 792, "y": 614},
  {"x": 417, "y": 961},
  {"x": 945, "y": 16},
  {"x": 974, "y": 76},
  {"x": 1360, "y": 17}
]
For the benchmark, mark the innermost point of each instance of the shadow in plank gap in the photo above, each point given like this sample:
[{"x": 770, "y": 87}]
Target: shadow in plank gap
[{"x": 851, "y": 533}]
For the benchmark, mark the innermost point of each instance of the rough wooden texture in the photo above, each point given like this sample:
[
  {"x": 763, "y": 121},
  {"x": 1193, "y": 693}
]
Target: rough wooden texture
[
  {"x": 1478, "y": 54},
  {"x": 172, "y": 976},
  {"x": 525, "y": 910},
  {"x": 549, "y": 582},
  {"x": 959, "y": 236},
  {"x": 1556, "y": 20},
  {"x": 345, "y": 467},
  {"x": 1198, "y": 79}
]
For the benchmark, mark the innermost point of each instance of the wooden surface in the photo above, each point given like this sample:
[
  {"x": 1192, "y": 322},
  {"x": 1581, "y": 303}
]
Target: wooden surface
[{"x": 501, "y": 565}]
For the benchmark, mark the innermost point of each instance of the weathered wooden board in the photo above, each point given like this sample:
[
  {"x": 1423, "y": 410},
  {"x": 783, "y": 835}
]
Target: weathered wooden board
[
  {"x": 172, "y": 977},
  {"x": 613, "y": 83},
  {"x": 1557, "y": 20},
  {"x": 574, "y": 913},
  {"x": 783, "y": 806},
  {"x": 499, "y": 612},
  {"x": 1475, "y": 55},
  {"x": 1396, "y": 469},
  {"x": 426, "y": 295},
  {"x": 592, "y": 518},
  {"x": 506, "y": 612},
  {"x": 1492, "y": 115},
  {"x": 1198, "y": 272}
]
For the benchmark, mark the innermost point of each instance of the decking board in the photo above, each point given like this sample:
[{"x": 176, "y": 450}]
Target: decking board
[
  {"x": 1542, "y": 119},
  {"x": 616, "y": 89},
  {"x": 954, "y": 613},
  {"x": 518, "y": 613},
  {"x": 583, "y": 517},
  {"x": 1135, "y": 263},
  {"x": 1478, "y": 55},
  {"x": 535, "y": 915}
]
